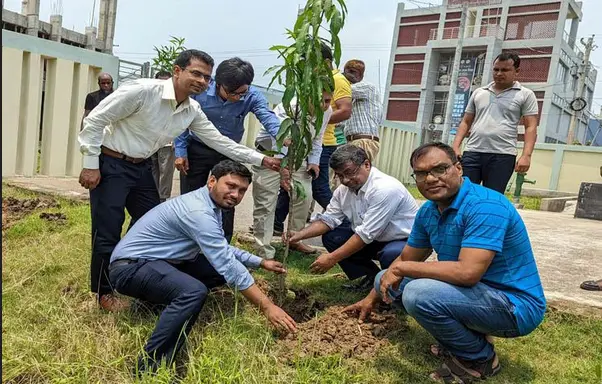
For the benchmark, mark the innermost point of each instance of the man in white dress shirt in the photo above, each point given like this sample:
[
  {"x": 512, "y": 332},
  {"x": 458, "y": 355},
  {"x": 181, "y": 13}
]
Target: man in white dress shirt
[
  {"x": 140, "y": 117},
  {"x": 379, "y": 209}
]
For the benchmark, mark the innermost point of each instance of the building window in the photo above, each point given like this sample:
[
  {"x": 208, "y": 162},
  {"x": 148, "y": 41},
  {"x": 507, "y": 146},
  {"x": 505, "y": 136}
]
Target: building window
[{"x": 561, "y": 73}]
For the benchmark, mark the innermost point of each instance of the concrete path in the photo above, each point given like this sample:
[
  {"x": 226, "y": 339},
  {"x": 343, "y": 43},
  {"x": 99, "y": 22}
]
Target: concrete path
[{"x": 567, "y": 250}]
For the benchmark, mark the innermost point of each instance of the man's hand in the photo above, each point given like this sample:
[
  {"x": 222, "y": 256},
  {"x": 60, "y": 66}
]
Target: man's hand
[
  {"x": 287, "y": 142},
  {"x": 273, "y": 266},
  {"x": 285, "y": 180},
  {"x": 523, "y": 164},
  {"x": 323, "y": 263},
  {"x": 458, "y": 152},
  {"x": 388, "y": 280},
  {"x": 293, "y": 237},
  {"x": 182, "y": 165},
  {"x": 271, "y": 163},
  {"x": 280, "y": 319},
  {"x": 364, "y": 307},
  {"x": 89, "y": 178},
  {"x": 313, "y": 170}
]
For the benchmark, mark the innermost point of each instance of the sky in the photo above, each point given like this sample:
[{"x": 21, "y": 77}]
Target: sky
[{"x": 247, "y": 28}]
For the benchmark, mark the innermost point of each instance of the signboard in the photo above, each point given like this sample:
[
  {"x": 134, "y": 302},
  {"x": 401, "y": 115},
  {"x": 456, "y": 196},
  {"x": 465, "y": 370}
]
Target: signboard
[
  {"x": 471, "y": 3},
  {"x": 465, "y": 76}
]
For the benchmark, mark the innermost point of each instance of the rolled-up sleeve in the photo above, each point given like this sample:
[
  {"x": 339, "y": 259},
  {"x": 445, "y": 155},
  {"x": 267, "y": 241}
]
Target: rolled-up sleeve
[
  {"x": 181, "y": 144},
  {"x": 334, "y": 215},
  {"x": 207, "y": 232},
  {"x": 382, "y": 206},
  {"x": 123, "y": 102},
  {"x": 316, "y": 144},
  {"x": 248, "y": 259},
  {"x": 202, "y": 128}
]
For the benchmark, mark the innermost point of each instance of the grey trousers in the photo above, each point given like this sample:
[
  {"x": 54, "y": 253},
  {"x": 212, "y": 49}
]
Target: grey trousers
[{"x": 163, "y": 168}]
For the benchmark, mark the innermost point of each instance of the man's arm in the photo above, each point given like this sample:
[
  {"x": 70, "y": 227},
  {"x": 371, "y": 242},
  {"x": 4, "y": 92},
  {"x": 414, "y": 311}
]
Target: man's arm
[
  {"x": 264, "y": 114},
  {"x": 529, "y": 111},
  {"x": 120, "y": 104},
  {"x": 463, "y": 130},
  {"x": 181, "y": 144},
  {"x": 342, "y": 111},
  {"x": 202, "y": 127},
  {"x": 316, "y": 144}
]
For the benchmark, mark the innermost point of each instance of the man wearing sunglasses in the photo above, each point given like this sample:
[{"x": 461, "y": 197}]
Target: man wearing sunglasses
[
  {"x": 381, "y": 212},
  {"x": 485, "y": 280},
  {"x": 227, "y": 101}
]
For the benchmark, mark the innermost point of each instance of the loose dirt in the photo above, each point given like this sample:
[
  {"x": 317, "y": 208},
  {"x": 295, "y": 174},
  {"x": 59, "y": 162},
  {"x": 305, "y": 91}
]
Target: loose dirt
[{"x": 14, "y": 209}]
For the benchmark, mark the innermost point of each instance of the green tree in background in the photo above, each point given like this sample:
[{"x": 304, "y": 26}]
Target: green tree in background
[{"x": 167, "y": 54}]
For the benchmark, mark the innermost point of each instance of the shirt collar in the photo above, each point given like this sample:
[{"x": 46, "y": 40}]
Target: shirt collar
[
  {"x": 515, "y": 85},
  {"x": 212, "y": 90},
  {"x": 364, "y": 187},
  {"x": 459, "y": 199},
  {"x": 169, "y": 93}
]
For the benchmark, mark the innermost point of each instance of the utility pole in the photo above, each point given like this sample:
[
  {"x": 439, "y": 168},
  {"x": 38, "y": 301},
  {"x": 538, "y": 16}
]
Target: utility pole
[
  {"x": 454, "y": 77},
  {"x": 582, "y": 73}
]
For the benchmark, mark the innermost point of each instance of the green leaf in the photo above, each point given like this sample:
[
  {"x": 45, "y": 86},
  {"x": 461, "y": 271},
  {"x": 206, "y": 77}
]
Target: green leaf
[
  {"x": 283, "y": 132},
  {"x": 278, "y": 47},
  {"x": 299, "y": 190},
  {"x": 302, "y": 36}
]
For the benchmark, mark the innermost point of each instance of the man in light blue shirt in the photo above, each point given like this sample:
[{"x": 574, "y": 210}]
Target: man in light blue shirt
[
  {"x": 177, "y": 252},
  {"x": 227, "y": 101}
]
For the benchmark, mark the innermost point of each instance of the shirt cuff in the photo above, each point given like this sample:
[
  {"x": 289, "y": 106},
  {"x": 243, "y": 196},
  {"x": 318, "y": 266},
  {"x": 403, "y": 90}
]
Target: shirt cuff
[
  {"x": 181, "y": 152},
  {"x": 366, "y": 237},
  {"x": 90, "y": 162},
  {"x": 256, "y": 158},
  {"x": 328, "y": 220},
  {"x": 244, "y": 281},
  {"x": 254, "y": 261}
]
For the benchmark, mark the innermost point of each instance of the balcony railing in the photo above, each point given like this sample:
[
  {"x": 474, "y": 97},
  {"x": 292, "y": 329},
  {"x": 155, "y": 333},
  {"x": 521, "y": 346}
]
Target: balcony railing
[
  {"x": 572, "y": 43},
  {"x": 472, "y": 31}
]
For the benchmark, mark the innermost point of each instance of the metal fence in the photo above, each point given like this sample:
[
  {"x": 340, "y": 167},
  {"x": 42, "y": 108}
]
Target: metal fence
[{"x": 129, "y": 70}]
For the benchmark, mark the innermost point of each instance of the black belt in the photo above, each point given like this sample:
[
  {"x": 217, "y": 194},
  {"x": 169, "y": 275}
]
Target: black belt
[
  {"x": 357, "y": 137},
  {"x": 122, "y": 262}
]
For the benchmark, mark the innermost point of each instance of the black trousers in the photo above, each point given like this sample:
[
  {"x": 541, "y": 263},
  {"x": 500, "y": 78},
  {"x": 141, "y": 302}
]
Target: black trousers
[
  {"x": 123, "y": 185},
  {"x": 492, "y": 169},
  {"x": 201, "y": 159},
  {"x": 182, "y": 287}
]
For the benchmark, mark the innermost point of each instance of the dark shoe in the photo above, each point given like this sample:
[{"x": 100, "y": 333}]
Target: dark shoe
[
  {"x": 277, "y": 232},
  {"x": 592, "y": 285},
  {"x": 110, "y": 302},
  {"x": 365, "y": 284}
]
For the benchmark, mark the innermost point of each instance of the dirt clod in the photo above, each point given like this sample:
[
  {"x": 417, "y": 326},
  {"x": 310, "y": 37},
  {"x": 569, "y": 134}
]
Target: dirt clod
[
  {"x": 336, "y": 332},
  {"x": 57, "y": 217},
  {"x": 14, "y": 209}
]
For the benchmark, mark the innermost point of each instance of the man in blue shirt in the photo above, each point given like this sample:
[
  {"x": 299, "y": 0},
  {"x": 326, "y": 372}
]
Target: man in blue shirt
[
  {"x": 227, "y": 101},
  {"x": 158, "y": 261},
  {"x": 485, "y": 281}
]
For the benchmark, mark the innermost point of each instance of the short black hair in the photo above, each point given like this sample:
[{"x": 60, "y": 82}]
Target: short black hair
[
  {"x": 425, "y": 148},
  {"x": 162, "y": 74},
  {"x": 509, "y": 56},
  {"x": 231, "y": 167},
  {"x": 184, "y": 58},
  {"x": 346, "y": 153},
  {"x": 326, "y": 51},
  {"x": 234, "y": 73}
]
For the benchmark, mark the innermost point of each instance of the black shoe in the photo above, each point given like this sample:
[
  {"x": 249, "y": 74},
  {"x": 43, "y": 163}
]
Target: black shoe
[{"x": 365, "y": 284}]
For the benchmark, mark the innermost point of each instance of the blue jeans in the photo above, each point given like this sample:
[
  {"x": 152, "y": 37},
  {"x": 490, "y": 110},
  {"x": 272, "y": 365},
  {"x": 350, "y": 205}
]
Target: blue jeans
[
  {"x": 459, "y": 318},
  {"x": 361, "y": 263},
  {"x": 320, "y": 189}
]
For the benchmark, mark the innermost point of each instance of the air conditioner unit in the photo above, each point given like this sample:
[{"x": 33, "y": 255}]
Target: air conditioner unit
[
  {"x": 438, "y": 119},
  {"x": 444, "y": 80}
]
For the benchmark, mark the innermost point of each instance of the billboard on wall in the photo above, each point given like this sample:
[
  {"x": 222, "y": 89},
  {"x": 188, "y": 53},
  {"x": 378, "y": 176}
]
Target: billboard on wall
[
  {"x": 471, "y": 3},
  {"x": 462, "y": 94}
]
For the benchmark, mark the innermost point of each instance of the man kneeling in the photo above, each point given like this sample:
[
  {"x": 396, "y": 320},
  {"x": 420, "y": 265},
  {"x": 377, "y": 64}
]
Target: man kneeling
[
  {"x": 485, "y": 282},
  {"x": 158, "y": 261},
  {"x": 369, "y": 217}
]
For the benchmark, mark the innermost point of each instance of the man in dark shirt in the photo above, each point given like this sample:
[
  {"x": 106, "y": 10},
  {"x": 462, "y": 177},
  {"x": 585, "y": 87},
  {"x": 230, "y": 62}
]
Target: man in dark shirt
[{"x": 105, "y": 88}]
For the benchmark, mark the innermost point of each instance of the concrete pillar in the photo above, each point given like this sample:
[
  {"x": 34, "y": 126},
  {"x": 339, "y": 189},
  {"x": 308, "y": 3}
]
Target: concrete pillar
[
  {"x": 56, "y": 22},
  {"x": 57, "y": 116},
  {"x": 111, "y": 18},
  {"x": 81, "y": 76},
  {"x": 91, "y": 38},
  {"x": 31, "y": 9},
  {"x": 12, "y": 60},
  {"x": 29, "y": 122},
  {"x": 103, "y": 12}
]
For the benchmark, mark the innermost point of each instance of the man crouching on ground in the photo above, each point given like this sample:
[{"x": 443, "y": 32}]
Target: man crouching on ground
[
  {"x": 485, "y": 282},
  {"x": 177, "y": 252}
]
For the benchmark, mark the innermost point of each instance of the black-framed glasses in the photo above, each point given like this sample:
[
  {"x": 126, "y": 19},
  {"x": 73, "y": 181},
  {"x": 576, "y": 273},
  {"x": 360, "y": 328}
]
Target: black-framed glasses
[
  {"x": 437, "y": 172},
  {"x": 237, "y": 94},
  {"x": 348, "y": 174},
  {"x": 199, "y": 74}
]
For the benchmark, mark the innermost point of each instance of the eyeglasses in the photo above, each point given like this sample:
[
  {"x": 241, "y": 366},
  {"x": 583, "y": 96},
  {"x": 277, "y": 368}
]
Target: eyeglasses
[
  {"x": 437, "y": 172},
  {"x": 199, "y": 74},
  {"x": 237, "y": 94},
  {"x": 348, "y": 174}
]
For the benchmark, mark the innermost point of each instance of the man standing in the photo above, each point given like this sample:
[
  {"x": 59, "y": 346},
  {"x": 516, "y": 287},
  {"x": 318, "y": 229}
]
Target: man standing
[
  {"x": 366, "y": 114},
  {"x": 226, "y": 103},
  {"x": 267, "y": 183},
  {"x": 163, "y": 161},
  {"x": 158, "y": 261},
  {"x": 485, "y": 282},
  {"x": 490, "y": 122},
  {"x": 140, "y": 117},
  {"x": 105, "y": 88},
  {"x": 381, "y": 212}
]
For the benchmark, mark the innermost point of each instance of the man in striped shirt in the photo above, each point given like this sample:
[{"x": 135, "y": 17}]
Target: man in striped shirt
[
  {"x": 362, "y": 127},
  {"x": 485, "y": 280}
]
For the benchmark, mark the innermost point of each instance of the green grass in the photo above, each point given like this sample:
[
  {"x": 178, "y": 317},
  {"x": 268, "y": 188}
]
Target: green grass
[
  {"x": 529, "y": 202},
  {"x": 52, "y": 331}
]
